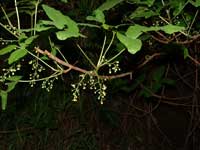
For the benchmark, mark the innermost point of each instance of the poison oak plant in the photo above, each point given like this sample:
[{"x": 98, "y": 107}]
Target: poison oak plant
[{"x": 152, "y": 21}]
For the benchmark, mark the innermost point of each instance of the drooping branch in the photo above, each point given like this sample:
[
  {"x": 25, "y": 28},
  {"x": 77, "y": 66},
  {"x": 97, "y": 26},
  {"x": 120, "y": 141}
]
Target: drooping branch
[
  {"x": 51, "y": 56},
  {"x": 72, "y": 67}
]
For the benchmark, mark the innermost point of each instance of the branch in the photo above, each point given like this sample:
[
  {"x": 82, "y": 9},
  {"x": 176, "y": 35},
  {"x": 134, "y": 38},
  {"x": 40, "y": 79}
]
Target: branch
[
  {"x": 193, "y": 38},
  {"x": 194, "y": 60},
  {"x": 160, "y": 40},
  {"x": 72, "y": 67},
  {"x": 149, "y": 58},
  {"x": 45, "y": 52}
]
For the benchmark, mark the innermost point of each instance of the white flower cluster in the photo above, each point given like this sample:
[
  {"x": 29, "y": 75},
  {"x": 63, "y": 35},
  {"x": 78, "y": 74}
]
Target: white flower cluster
[
  {"x": 114, "y": 67},
  {"x": 92, "y": 83},
  {"x": 37, "y": 68},
  {"x": 10, "y": 71},
  {"x": 48, "y": 84}
]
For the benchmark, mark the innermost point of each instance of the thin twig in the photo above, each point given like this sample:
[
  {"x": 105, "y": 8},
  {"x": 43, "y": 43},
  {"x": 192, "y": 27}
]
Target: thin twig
[
  {"x": 160, "y": 40},
  {"x": 164, "y": 97},
  {"x": 163, "y": 36},
  {"x": 193, "y": 38},
  {"x": 149, "y": 58}
]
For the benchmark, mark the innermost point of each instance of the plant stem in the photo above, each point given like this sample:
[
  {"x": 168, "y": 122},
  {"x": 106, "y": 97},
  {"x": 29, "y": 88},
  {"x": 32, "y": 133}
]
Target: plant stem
[
  {"x": 35, "y": 19},
  {"x": 62, "y": 55},
  {"x": 89, "y": 25},
  {"x": 17, "y": 13},
  {"x": 114, "y": 57},
  {"x": 109, "y": 44},
  {"x": 90, "y": 61},
  {"x": 102, "y": 49},
  {"x": 32, "y": 27}
]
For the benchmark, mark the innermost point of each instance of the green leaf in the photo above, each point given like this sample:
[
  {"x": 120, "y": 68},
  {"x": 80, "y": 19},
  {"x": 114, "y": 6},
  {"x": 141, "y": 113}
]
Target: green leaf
[
  {"x": 14, "y": 78},
  {"x": 185, "y": 52},
  {"x": 64, "y": 1},
  {"x": 4, "y": 96},
  {"x": 149, "y": 3},
  {"x": 136, "y": 30},
  {"x": 119, "y": 47},
  {"x": 109, "y": 4},
  {"x": 11, "y": 86},
  {"x": 41, "y": 28},
  {"x": 195, "y": 3},
  {"x": 27, "y": 42},
  {"x": 22, "y": 38},
  {"x": 45, "y": 23},
  {"x": 7, "y": 49},
  {"x": 98, "y": 16},
  {"x": 16, "y": 55},
  {"x": 169, "y": 29},
  {"x": 54, "y": 49},
  {"x": 71, "y": 24},
  {"x": 105, "y": 26},
  {"x": 142, "y": 12},
  {"x": 63, "y": 35},
  {"x": 60, "y": 20},
  {"x": 177, "y": 6},
  {"x": 56, "y": 16},
  {"x": 133, "y": 45}
]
